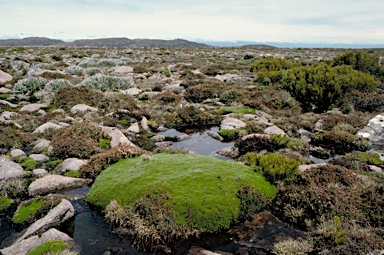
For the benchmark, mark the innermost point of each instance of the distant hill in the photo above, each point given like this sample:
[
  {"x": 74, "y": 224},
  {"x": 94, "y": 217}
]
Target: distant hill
[
  {"x": 30, "y": 41},
  {"x": 102, "y": 42}
]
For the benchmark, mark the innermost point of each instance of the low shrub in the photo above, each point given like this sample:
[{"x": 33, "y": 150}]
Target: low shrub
[
  {"x": 179, "y": 195},
  {"x": 68, "y": 96},
  {"x": 191, "y": 117},
  {"x": 14, "y": 139},
  {"x": 271, "y": 143},
  {"x": 49, "y": 247},
  {"x": 325, "y": 192},
  {"x": 28, "y": 86},
  {"x": 74, "y": 70},
  {"x": 292, "y": 247},
  {"x": 340, "y": 142},
  {"x": 101, "y": 161},
  {"x": 274, "y": 166},
  {"x": 14, "y": 188},
  {"x": 105, "y": 82},
  {"x": 199, "y": 93},
  {"x": 92, "y": 71},
  {"x": 167, "y": 97},
  {"x": 230, "y": 96},
  {"x": 54, "y": 75},
  {"x": 80, "y": 140},
  {"x": 55, "y": 84}
]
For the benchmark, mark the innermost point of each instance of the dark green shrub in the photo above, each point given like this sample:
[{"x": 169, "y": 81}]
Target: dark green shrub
[
  {"x": 199, "y": 93},
  {"x": 80, "y": 140},
  {"x": 324, "y": 86},
  {"x": 54, "y": 75},
  {"x": 230, "y": 96},
  {"x": 57, "y": 57},
  {"x": 274, "y": 166},
  {"x": 192, "y": 117},
  {"x": 359, "y": 60},
  {"x": 269, "y": 64}
]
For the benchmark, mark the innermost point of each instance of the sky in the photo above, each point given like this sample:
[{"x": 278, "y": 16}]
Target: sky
[{"x": 306, "y": 21}]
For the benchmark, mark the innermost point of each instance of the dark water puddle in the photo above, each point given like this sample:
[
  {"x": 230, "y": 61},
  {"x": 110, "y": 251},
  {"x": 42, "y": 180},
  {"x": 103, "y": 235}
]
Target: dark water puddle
[
  {"x": 199, "y": 142},
  {"x": 93, "y": 234}
]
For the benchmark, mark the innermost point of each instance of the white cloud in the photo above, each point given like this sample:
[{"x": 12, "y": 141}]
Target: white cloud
[{"x": 264, "y": 20}]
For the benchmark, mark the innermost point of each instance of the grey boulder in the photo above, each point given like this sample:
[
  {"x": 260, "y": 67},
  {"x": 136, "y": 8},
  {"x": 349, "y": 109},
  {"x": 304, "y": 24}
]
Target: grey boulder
[
  {"x": 9, "y": 169},
  {"x": 52, "y": 183}
]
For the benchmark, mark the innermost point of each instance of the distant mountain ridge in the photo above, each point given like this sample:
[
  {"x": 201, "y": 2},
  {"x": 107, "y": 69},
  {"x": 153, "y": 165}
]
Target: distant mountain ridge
[{"x": 101, "y": 42}]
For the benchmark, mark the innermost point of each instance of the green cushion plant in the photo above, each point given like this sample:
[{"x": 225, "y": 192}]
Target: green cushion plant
[
  {"x": 169, "y": 196},
  {"x": 49, "y": 247}
]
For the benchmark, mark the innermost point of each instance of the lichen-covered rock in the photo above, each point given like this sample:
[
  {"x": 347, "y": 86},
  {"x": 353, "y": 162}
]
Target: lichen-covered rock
[
  {"x": 41, "y": 145},
  {"x": 231, "y": 123},
  {"x": 43, "y": 128},
  {"x": 25, "y": 246},
  {"x": 39, "y": 157},
  {"x": 55, "y": 217},
  {"x": 9, "y": 169},
  {"x": 117, "y": 136},
  {"x": 32, "y": 107},
  {"x": 374, "y": 130},
  {"x": 52, "y": 183},
  {"x": 274, "y": 130},
  {"x": 69, "y": 165},
  {"x": 82, "y": 108},
  {"x": 17, "y": 153},
  {"x": 5, "y": 77}
]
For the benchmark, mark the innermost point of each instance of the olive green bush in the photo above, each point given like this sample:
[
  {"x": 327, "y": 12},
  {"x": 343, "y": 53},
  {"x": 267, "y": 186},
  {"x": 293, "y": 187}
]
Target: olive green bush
[
  {"x": 274, "y": 166},
  {"x": 68, "y": 96}
]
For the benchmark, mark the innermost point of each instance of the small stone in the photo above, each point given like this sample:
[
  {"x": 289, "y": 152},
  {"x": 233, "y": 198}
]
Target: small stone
[
  {"x": 82, "y": 108},
  {"x": 43, "y": 128},
  {"x": 5, "y": 77},
  {"x": 41, "y": 145},
  {"x": 70, "y": 165},
  {"x": 274, "y": 130},
  {"x": 231, "y": 123},
  {"x": 134, "y": 128},
  {"x": 17, "y": 153},
  {"x": 9, "y": 169},
  {"x": 39, "y": 157},
  {"x": 9, "y": 115},
  {"x": 39, "y": 172},
  {"x": 32, "y": 107},
  {"x": 144, "y": 124},
  {"x": 375, "y": 169}
]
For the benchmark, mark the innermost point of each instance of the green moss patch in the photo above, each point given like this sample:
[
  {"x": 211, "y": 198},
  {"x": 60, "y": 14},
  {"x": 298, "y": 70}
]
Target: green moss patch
[
  {"x": 201, "y": 192},
  {"x": 4, "y": 203},
  {"x": 236, "y": 109},
  {"x": 26, "y": 211},
  {"x": 49, "y": 247}
]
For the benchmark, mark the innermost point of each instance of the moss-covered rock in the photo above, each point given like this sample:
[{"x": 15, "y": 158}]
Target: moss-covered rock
[{"x": 168, "y": 196}]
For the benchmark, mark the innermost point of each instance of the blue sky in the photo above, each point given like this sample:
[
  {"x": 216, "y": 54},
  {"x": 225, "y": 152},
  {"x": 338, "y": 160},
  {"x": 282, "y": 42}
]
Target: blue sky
[{"x": 327, "y": 21}]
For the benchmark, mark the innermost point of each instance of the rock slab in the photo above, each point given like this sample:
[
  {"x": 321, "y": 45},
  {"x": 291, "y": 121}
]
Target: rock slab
[
  {"x": 25, "y": 246},
  {"x": 374, "y": 130},
  {"x": 9, "y": 169},
  {"x": 59, "y": 214},
  {"x": 52, "y": 183}
]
